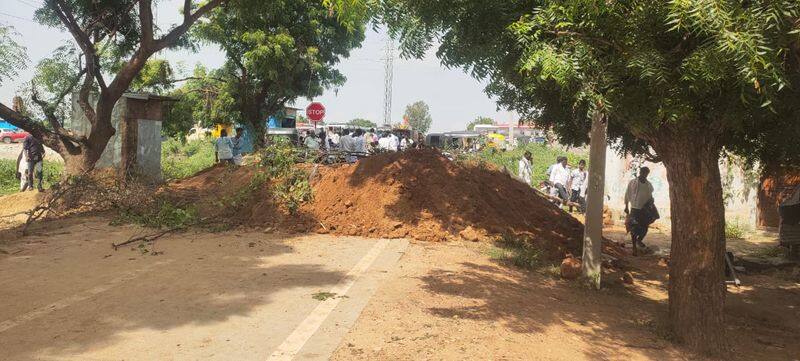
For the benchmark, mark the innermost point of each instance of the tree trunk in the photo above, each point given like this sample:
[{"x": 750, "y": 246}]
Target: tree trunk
[{"x": 696, "y": 275}]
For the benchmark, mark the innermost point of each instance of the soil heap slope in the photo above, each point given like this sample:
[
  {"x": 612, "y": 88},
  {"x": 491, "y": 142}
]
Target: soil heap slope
[{"x": 422, "y": 195}]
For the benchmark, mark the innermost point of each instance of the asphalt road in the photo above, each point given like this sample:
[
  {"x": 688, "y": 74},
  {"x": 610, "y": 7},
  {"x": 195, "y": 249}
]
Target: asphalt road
[{"x": 67, "y": 295}]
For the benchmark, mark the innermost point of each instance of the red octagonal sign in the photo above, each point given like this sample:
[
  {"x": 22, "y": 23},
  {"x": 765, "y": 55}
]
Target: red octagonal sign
[{"x": 315, "y": 112}]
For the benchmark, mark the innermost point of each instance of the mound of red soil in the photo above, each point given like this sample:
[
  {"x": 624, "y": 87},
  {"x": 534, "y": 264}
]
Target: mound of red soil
[
  {"x": 417, "y": 194},
  {"x": 422, "y": 195}
]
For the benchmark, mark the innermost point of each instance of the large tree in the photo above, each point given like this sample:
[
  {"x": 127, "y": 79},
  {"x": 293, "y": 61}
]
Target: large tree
[
  {"x": 418, "y": 116},
  {"x": 278, "y": 51},
  {"x": 124, "y": 27},
  {"x": 677, "y": 81}
]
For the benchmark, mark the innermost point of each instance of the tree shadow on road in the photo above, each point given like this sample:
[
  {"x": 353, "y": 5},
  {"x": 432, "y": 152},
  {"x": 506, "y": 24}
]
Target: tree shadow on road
[{"x": 205, "y": 279}]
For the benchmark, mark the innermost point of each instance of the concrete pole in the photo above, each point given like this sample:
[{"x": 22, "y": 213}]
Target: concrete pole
[{"x": 595, "y": 194}]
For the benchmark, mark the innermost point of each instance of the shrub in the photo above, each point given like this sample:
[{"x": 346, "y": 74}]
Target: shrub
[
  {"x": 735, "y": 229},
  {"x": 183, "y": 159}
]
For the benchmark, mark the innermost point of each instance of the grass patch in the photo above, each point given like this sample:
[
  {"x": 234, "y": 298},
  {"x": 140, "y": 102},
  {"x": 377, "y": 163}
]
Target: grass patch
[
  {"x": 517, "y": 252},
  {"x": 184, "y": 159},
  {"x": 323, "y": 296},
  {"x": 735, "y": 229},
  {"x": 8, "y": 175}
]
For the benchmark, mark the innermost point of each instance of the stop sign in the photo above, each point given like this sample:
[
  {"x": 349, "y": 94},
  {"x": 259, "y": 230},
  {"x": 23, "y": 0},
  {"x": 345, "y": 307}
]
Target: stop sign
[{"x": 315, "y": 112}]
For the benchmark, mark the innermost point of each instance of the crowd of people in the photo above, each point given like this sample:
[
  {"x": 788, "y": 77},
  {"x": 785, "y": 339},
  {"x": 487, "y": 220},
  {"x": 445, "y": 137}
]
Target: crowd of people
[
  {"x": 350, "y": 143},
  {"x": 567, "y": 186},
  {"x": 355, "y": 143}
]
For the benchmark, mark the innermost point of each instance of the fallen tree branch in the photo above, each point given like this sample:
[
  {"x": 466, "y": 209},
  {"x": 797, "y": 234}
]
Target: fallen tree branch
[{"x": 147, "y": 238}]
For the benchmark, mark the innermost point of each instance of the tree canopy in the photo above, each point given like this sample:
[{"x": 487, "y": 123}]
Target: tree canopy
[
  {"x": 278, "y": 51},
  {"x": 13, "y": 56},
  {"x": 418, "y": 116},
  {"x": 116, "y": 39},
  {"x": 363, "y": 123}
]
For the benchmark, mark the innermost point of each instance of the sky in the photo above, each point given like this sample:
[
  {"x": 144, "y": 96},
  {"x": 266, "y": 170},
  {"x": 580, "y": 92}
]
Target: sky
[{"x": 454, "y": 97}]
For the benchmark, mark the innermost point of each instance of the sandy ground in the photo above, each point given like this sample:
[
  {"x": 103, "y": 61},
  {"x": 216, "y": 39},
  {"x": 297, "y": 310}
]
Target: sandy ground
[
  {"x": 11, "y": 151},
  {"x": 241, "y": 295},
  {"x": 67, "y": 295},
  {"x": 451, "y": 302}
]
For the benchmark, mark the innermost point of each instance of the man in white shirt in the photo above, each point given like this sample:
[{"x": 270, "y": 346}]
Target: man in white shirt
[
  {"x": 223, "y": 148},
  {"x": 393, "y": 142},
  {"x": 524, "y": 171},
  {"x": 638, "y": 195},
  {"x": 559, "y": 178},
  {"x": 578, "y": 182},
  {"x": 383, "y": 143}
]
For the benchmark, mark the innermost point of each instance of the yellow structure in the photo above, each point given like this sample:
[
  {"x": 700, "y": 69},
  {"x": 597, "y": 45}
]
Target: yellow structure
[{"x": 218, "y": 130}]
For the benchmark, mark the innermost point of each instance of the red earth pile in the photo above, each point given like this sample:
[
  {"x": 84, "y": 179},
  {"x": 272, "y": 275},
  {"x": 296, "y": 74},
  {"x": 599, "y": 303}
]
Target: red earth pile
[
  {"x": 422, "y": 195},
  {"x": 416, "y": 194}
]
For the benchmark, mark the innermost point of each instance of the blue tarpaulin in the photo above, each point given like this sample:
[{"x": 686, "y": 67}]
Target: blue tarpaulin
[{"x": 6, "y": 125}]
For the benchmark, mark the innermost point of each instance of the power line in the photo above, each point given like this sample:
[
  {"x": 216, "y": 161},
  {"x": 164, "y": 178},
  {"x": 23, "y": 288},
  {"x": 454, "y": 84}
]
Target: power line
[
  {"x": 16, "y": 17},
  {"x": 29, "y": 4}
]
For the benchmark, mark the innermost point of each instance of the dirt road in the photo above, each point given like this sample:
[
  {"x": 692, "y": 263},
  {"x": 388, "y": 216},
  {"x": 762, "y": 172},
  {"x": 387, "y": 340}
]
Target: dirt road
[
  {"x": 66, "y": 295},
  {"x": 237, "y": 295}
]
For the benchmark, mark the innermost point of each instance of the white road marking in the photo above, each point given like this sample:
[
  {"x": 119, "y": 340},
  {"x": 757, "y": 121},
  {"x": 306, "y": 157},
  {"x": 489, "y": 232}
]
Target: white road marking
[
  {"x": 66, "y": 302},
  {"x": 292, "y": 345}
]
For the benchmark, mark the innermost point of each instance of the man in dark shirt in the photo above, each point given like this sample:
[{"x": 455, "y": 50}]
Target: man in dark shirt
[{"x": 33, "y": 154}]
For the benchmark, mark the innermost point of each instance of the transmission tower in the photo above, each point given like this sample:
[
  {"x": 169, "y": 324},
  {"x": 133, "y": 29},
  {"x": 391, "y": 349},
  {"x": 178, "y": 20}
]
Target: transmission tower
[{"x": 388, "y": 77}]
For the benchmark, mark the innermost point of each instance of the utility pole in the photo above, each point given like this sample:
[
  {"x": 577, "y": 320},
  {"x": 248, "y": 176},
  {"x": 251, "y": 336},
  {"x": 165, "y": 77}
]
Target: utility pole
[
  {"x": 388, "y": 79},
  {"x": 593, "y": 229}
]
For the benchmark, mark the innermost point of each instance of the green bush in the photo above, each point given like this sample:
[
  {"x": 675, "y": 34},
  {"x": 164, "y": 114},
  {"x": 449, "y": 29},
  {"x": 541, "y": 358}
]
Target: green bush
[
  {"x": 8, "y": 175},
  {"x": 165, "y": 215},
  {"x": 735, "y": 229},
  {"x": 184, "y": 159}
]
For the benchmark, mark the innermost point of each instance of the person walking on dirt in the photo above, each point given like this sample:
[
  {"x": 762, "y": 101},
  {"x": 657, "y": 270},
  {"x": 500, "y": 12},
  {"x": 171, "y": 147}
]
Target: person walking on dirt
[
  {"x": 578, "y": 184},
  {"x": 559, "y": 178},
  {"x": 33, "y": 153},
  {"x": 525, "y": 170},
  {"x": 223, "y": 148},
  {"x": 639, "y": 196}
]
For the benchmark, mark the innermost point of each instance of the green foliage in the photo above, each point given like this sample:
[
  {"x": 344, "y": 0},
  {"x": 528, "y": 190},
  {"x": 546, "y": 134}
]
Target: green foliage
[
  {"x": 291, "y": 184},
  {"x": 543, "y": 157},
  {"x": 479, "y": 121},
  {"x": 204, "y": 100},
  {"x": 155, "y": 77},
  {"x": 419, "y": 116},
  {"x": 726, "y": 70},
  {"x": 278, "y": 51},
  {"x": 735, "y": 229},
  {"x": 8, "y": 175},
  {"x": 13, "y": 56},
  {"x": 362, "y": 123},
  {"x": 184, "y": 159},
  {"x": 164, "y": 215}
]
